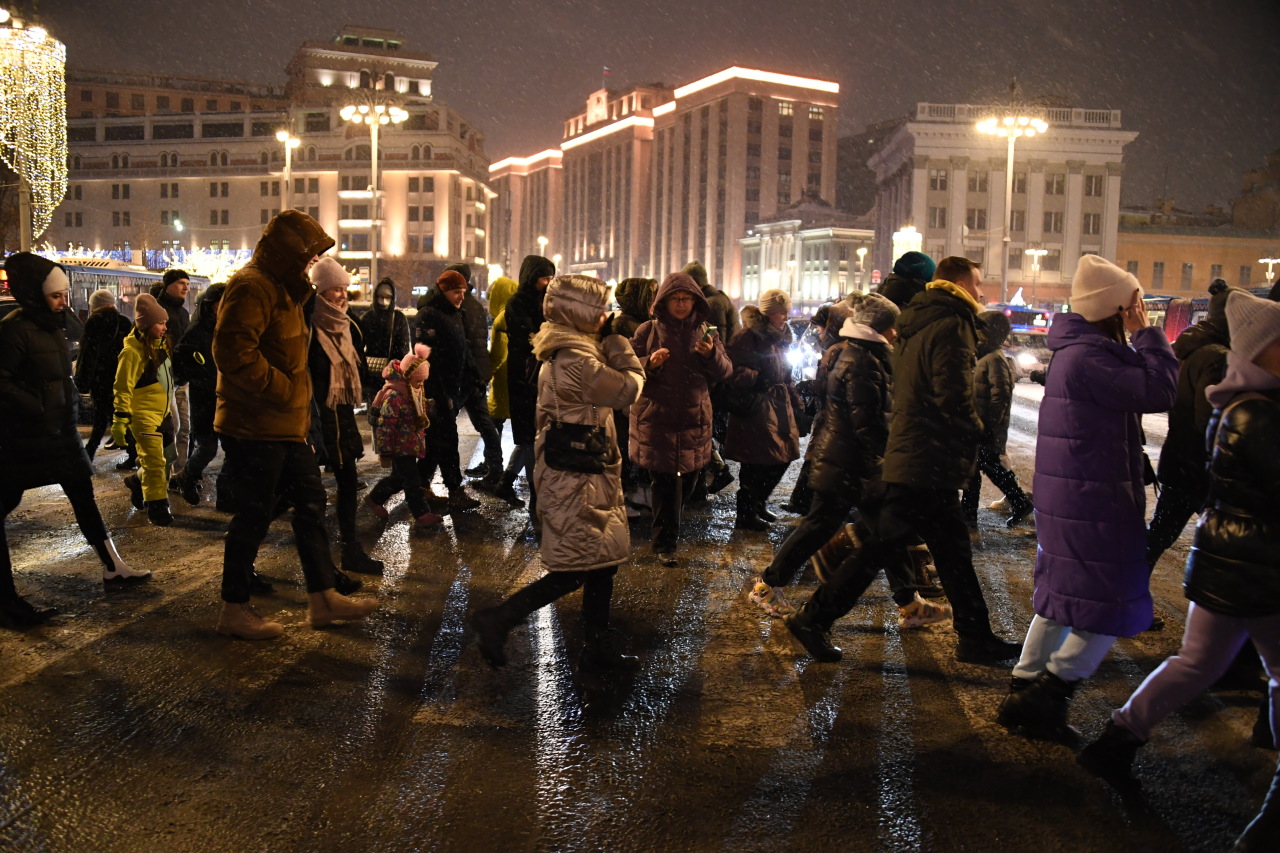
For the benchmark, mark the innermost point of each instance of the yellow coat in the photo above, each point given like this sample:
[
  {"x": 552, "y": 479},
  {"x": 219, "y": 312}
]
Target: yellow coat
[
  {"x": 499, "y": 293},
  {"x": 149, "y": 404}
]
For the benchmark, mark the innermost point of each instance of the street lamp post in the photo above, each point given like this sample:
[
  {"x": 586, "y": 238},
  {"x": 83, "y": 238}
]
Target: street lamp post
[
  {"x": 542, "y": 246},
  {"x": 555, "y": 259},
  {"x": 1011, "y": 127},
  {"x": 1270, "y": 262},
  {"x": 862, "y": 266},
  {"x": 374, "y": 114},
  {"x": 290, "y": 142},
  {"x": 1036, "y": 255}
]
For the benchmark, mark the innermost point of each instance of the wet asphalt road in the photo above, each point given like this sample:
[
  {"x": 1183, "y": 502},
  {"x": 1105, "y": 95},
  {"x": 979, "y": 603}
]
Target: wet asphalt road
[{"x": 128, "y": 725}]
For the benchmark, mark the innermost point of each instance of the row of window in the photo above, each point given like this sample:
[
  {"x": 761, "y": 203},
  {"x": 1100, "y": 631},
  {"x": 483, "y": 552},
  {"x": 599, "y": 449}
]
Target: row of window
[
  {"x": 163, "y": 102},
  {"x": 976, "y": 220},
  {"x": 1244, "y": 279},
  {"x": 123, "y": 218},
  {"x": 1055, "y": 183}
]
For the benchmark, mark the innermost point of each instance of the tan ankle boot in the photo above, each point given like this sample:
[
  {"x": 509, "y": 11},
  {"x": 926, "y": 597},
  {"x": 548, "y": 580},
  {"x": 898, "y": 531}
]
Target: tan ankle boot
[
  {"x": 240, "y": 620},
  {"x": 325, "y": 608}
]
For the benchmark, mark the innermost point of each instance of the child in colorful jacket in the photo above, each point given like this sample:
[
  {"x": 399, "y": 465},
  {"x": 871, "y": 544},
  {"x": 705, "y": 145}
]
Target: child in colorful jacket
[
  {"x": 399, "y": 436},
  {"x": 143, "y": 390}
]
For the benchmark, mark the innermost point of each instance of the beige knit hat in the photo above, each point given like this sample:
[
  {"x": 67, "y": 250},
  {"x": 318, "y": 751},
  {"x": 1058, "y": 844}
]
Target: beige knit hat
[
  {"x": 328, "y": 274},
  {"x": 775, "y": 302},
  {"x": 1100, "y": 289},
  {"x": 1254, "y": 323},
  {"x": 147, "y": 312}
]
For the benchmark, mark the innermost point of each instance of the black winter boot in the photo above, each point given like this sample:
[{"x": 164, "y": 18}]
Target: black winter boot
[
  {"x": 1111, "y": 756},
  {"x": 134, "y": 485},
  {"x": 1020, "y": 507},
  {"x": 1039, "y": 709},
  {"x": 506, "y": 490},
  {"x": 491, "y": 628},
  {"x": 354, "y": 559},
  {"x": 600, "y": 653},
  {"x": 1263, "y": 832},
  {"x": 344, "y": 583},
  {"x": 158, "y": 513},
  {"x": 17, "y": 613},
  {"x": 809, "y": 634}
]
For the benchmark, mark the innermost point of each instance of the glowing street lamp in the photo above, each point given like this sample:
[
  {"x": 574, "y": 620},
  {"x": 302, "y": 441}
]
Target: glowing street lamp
[
  {"x": 905, "y": 240},
  {"x": 1270, "y": 262},
  {"x": 862, "y": 264},
  {"x": 555, "y": 259},
  {"x": 33, "y": 121},
  {"x": 1035, "y": 255},
  {"x": 542, "y": 246},
  {"x": 375, "y": 114},
  {"x": 1011, "y": 127},
  {"x": 290, "y": 142}
]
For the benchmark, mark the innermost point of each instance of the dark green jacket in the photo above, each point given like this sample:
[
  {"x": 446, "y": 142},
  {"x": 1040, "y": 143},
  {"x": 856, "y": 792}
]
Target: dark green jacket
[{"x": 934, "y": 435}]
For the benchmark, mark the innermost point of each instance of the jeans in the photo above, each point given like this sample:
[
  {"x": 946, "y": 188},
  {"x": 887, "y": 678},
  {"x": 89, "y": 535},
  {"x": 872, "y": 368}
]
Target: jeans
[
  {"x": 1209, "y": 644},
  {"x": 442, "y": 450},
  {"x": 670, "y": 493},
  {"x": 826, "y": 513},
  {"x": 404, "y": 475},
  {"x": 80, "y": 493},
  {"x": 989, "y": 463},
  {"x": 261, "y": 470},
  {"x": 597, "y": 590},
  {"x": 204, "y": 446},
  {"x": 1174, "y": 509},
  {"x": 477, "y": 407},
  {"x": 1069, "y": 653}
]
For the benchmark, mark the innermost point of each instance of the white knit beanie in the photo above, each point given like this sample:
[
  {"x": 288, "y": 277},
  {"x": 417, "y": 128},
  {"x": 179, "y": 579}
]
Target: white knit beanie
[
  {"x": 1254, "y": 323},
  {"x": 1100, "y": 289},
  {"x": 101, "y": 299},
  {"x": 328, "y": 274},
  {"x": 56, "y": 282},
  {"x": 775, "y": 302}
]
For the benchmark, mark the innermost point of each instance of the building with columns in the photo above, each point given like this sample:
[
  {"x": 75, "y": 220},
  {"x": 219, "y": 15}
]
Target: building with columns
[
  {"x": 936, "y": 172},
  {"x": 159, "y": 161},
  {"x": 811, "y": 250},
  {"x": 654, "y": 177}
]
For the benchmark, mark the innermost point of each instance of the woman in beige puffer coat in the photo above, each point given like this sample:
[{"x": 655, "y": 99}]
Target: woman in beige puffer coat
[{"x": 583, "y": 520}]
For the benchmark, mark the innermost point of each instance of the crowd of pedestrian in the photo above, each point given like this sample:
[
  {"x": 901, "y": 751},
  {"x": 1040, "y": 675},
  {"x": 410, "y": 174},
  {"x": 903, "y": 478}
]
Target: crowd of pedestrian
[{"x": 642, "y": 408}]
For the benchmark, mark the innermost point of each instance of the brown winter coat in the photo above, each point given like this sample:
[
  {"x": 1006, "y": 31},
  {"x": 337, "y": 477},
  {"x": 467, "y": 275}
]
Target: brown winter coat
[
  {"x": 584, "y": 521},
  {"x": 262, "y": 337},
  {"x": 671, "y": 422},
  {"x": 769, "y": 435}
]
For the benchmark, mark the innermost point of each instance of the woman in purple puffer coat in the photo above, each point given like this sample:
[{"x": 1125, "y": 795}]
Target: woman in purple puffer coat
[{"x": 1091, "y": 572}]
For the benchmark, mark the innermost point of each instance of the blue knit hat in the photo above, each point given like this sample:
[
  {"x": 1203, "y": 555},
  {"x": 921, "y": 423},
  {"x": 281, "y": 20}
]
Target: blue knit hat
[{"x": 916, "y": 265}]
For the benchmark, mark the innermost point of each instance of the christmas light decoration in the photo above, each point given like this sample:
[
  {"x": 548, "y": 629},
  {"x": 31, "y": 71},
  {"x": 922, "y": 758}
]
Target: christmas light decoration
[{"x": 33, "y": 116}]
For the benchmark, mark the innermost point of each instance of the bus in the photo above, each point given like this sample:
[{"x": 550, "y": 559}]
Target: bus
[
  {"x": 123, "y": 280},
  {"x": 1175, "y": 313}
]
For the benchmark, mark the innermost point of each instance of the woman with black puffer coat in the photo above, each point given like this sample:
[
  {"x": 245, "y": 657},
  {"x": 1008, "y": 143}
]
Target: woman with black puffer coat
[
  {"x": 104, "y": 334},
  {"x": 39, "y": 444},
  {"x": 993, "y": 399},
  {"x": 193, "y": 365},
  {"x": 766, "y": 439},
  {"x": 1233, "y": 570}
]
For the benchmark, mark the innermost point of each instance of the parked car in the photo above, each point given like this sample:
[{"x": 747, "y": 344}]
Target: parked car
[{"x": 1027, "y": 352}]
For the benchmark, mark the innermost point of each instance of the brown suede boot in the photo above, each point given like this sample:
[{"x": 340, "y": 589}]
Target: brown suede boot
[
  {"x": 325, "y": 608},
  {"x": 242, "y": 621}
]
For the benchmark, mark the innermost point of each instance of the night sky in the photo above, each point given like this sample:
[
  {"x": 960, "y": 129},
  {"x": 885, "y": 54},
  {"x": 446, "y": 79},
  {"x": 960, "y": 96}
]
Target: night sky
[{"x": 1198, "y": 79}]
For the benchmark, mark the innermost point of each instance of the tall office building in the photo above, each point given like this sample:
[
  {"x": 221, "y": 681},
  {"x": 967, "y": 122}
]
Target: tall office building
[
  {"x": 159, "y": 162},
  {"x": 525, "y": 218}
]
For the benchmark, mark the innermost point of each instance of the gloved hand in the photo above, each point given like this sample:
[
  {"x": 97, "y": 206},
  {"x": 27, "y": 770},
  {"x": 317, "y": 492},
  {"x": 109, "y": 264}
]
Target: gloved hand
[{"x": 120, "y": 430}]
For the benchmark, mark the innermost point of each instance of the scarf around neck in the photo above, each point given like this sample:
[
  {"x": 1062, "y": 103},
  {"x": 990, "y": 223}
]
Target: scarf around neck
[{"x": 333, "y": 328}]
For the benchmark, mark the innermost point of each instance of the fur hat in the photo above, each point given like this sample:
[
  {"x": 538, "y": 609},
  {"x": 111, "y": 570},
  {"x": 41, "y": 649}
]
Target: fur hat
[
  {"x": 872, "y": 309},
  {"x": 1100, "y": 289},
  {"x": 696, "y": 271},
  {"x": 170, "y": 276},
  {"x": 1254, "y": 323},
  {"x": 915, "y": 265},
  {"x": 775, "y": 302},
  {"x": 451, "y": 280},
  {"x": 414, "y": 365},
  {"x": 101, "y": 299},
  {"x": 328, "y": 274},
  {"x": 147, "y": 312}
]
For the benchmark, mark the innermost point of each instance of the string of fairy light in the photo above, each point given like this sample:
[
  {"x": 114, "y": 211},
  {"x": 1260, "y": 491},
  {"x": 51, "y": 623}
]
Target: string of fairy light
[{"x": 33, "y": 114}]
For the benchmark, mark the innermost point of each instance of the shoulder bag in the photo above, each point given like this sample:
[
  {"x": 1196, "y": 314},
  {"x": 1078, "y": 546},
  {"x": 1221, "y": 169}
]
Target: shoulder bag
[{"x": 582, "y": 448}]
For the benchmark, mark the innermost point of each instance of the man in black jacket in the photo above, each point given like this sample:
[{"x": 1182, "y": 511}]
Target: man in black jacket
[
  {"x": 933, "y": 446},
  {"x": 453, "y": 379},
  {"x": 171, "y": 293}
]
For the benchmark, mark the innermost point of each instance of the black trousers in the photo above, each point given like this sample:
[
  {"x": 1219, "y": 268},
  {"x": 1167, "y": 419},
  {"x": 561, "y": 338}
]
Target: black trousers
[
  {"x": 755, "y": 484},
  {"x": 80, "y": 493},
  {"x": 346, "y": 476},
  {"x": 103, "y": 411},
  {"x": 597, "y": 591},
  {"x": 204, "y": 446},
  {"x": 1174, "y": 509},
  {"x": 826, "y": 513},
  {"x": 1005, "y": 480},
  {"x": 477, "y": 407},
  {"x": 261, "y": 470},
  {"x": 906, "y": 511},
  {"x": 404, "y": 475},
  {"x": 670, "y": 493},
  {"x": 442, "y": 450}
]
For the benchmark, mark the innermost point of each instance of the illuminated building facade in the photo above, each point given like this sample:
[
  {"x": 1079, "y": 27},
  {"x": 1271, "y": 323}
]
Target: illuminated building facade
[
  {"x": 527, "y": 204},
  {"x": 159, "y": 161}
]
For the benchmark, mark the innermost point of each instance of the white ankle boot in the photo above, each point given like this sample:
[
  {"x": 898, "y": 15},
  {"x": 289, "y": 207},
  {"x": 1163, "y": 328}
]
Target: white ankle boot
[{"x": 114, "y": 567}]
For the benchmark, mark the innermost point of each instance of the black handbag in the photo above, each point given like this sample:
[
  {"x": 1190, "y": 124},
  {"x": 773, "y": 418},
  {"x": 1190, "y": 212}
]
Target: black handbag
[{"x": 582, "y": 448}]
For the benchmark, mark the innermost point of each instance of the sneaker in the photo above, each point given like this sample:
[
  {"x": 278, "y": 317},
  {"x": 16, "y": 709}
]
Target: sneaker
[
  {"x": 127, "y": 464},
  {"x": 813, "y": 638},
  {"x": 919, "y": 613},
  {"x": 770, "y": 599},
  {"x": 479, "y": 471}
]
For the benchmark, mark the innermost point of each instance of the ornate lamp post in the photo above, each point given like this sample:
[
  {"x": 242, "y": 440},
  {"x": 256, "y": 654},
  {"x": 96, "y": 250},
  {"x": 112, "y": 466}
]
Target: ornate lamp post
[
  {"x": 1011, "y": 127},
  {"x": 375, "y": 114},
  {"x": 33, "y": 121},
  {"x": 290, "y": 142}
]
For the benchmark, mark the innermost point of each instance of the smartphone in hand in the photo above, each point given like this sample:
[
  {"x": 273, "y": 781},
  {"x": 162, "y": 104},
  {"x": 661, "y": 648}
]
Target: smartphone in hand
[{"x": 710, "y": 334}]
